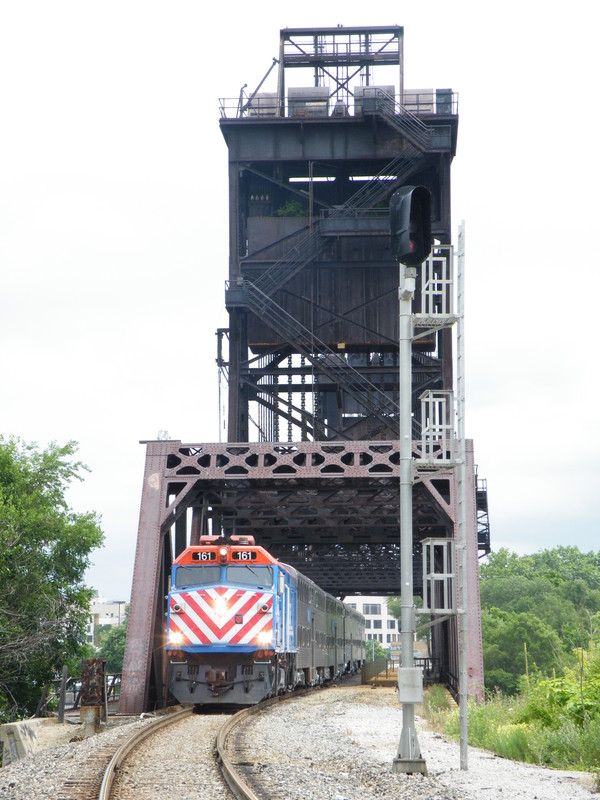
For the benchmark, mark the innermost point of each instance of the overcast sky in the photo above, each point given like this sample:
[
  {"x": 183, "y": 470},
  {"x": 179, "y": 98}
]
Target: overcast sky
[{"x": 114, "y": 245}]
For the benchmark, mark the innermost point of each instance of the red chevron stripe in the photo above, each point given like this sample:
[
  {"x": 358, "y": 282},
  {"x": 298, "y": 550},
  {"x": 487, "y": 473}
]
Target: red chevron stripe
[
  {"x": 221, "y": 633},
  {"x": 211, "y": 621},
  {"x": 199, "y": 636},
  {"x": 251, "y": 623},
  {"x": 206, "y": 618}
]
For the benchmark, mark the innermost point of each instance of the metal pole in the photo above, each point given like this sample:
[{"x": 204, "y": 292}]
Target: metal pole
[
  {"x": 408, "y": 759},
  {"x": 463, "y": 678},
  {"x": 63, "y": 693}
]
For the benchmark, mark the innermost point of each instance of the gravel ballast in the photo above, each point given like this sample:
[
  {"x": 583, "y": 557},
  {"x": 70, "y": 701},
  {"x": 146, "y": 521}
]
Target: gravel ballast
[
  {"x": 336, "y": 744},
  {"x": 340, "y": 744}
]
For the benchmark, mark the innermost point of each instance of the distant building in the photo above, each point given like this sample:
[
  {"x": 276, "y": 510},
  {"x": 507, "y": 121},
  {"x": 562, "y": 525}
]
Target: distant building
[
  {"x": 380, "y": 625},
  {"x": 104, "y": 612}
]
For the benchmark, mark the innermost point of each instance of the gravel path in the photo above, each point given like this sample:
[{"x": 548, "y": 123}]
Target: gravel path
[
  {"x": 339, "y": 744},
  {"x": 335, "y": 744}
]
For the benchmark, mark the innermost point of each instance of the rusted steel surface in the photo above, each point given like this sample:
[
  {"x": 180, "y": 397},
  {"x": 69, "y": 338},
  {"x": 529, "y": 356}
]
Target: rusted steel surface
[
  {"x": 92, "y": 681},
  {"x": 321, "y": 460},
  {"x": 137, "y": 665},
  {"x": 475, "y": 644}
]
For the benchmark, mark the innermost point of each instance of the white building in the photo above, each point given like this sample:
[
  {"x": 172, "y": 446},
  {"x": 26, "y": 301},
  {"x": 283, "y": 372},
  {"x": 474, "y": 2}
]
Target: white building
[
  {"x": 104, "y": 612},
  {"x": 379, "y": 623}
]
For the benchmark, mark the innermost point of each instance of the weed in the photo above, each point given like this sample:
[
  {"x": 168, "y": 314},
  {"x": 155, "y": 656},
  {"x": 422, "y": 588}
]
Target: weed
[{"x": 437, "y": 706}]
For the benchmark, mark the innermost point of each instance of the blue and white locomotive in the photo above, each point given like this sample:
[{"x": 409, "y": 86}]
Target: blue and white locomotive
[{"x": 242, "y": 626}]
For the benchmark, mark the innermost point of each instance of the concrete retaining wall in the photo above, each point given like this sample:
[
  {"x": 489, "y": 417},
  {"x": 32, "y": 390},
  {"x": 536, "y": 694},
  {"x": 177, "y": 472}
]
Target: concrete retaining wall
[{"x": 21, "y": 739}]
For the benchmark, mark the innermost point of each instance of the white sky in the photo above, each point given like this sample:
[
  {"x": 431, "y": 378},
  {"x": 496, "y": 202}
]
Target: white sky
[{"x": 114, "y": 246}]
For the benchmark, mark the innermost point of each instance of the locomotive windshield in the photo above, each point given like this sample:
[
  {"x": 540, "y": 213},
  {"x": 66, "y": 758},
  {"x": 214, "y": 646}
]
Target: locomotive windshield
[
  {"x": 196, "y": 575},
  {"x": 256, "y": 575}
]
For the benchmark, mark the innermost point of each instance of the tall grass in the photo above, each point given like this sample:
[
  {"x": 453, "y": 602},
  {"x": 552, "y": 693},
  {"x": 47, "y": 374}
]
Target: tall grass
[
  {"x": 504, "y": 725},
  {"x": 437, "y": 706},
  {"x": 495, "y": 725}
]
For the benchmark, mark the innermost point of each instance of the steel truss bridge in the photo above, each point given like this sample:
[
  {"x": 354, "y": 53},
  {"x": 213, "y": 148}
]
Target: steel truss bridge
[{"x": 329, "y": 509}]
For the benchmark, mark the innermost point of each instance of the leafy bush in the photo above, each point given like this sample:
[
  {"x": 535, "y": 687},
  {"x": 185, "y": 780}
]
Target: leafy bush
[
  {"x": 541, "y": 645},
  {"x": 536, "y": 726},
  {"x": 291, "y": 208}
]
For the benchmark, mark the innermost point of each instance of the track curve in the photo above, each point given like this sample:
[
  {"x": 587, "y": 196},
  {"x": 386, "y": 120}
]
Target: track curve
[
  {"x": 170, "y": 758},
  {"x": 137, "y": 772},
  {"x": 139, "y": 736}
]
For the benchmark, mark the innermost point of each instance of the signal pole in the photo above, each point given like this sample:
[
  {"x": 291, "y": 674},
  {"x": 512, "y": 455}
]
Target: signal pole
[
  {"x": 410, "y": 229},
  {"x": 410, "y": 679}
]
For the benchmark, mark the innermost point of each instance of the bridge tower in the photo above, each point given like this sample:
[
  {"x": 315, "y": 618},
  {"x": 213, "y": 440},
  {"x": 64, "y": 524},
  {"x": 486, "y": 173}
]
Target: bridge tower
[{"x": 311, "y": 465}]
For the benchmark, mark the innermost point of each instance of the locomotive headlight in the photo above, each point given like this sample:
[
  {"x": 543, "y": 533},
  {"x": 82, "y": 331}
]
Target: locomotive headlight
[
  {"x": 265, "y": 637},
  {"x": 175, "y": 638},
  {"x": 220, "y": 607}
]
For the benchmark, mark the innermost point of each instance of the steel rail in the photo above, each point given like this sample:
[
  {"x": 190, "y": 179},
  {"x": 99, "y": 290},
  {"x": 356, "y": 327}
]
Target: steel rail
[
  {"x": 124, "y": 750},
  {"x": 235, "y": 782}
]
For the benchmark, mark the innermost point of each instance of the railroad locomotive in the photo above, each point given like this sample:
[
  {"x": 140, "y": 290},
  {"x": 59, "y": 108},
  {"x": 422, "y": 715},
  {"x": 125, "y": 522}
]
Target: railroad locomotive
[{"x": 242, "y": 626}]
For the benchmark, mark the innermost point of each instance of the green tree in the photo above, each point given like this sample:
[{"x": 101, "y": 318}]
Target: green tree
[
  {"x": 394, "y": 607},
  {"x": 111, "y": 644},
  {"x": 515, "y": 643},
  {"x": 113, "y": 648},
  {"x": 44, "y": 552},
  {"x": 501, "y": 563},
  {"x": 560, "y": 587},
  {"x": 563, "y": 567},
  {"x": 537, "y": 595},
  {"x": 374, "y": 650}
]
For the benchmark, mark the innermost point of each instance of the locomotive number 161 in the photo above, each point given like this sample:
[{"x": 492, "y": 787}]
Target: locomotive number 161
[
  {"x": 203, "y": 555},
  {"x": 243, "y": 555}
]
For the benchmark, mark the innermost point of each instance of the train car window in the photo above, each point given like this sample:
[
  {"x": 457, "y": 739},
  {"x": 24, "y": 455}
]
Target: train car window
[
  {"x": 196, "y": 575},
  {"x": 256, "y": 575}
]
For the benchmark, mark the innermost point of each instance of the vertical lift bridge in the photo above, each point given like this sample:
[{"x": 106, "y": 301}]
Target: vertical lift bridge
[{"x": 310, "y": 357}]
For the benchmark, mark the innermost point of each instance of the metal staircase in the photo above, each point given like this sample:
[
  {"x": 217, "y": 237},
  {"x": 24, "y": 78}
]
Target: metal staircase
[
  {"x": 309, "y": 247},
  {"x": 372, "y": 399},
  {"x": 413, "y": 129},
  {"x": 256, "y": 295}
]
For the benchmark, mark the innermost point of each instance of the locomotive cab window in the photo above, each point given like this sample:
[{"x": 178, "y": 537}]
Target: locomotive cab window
[
  {"x": 250, "y": 575},
  {"x": 193, "y": 575}
]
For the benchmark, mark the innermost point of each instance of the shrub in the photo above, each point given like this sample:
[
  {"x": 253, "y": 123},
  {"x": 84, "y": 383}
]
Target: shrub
[{"x": 291, "y": 208}]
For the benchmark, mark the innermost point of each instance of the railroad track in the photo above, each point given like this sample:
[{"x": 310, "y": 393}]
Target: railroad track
[
  {"x": 176, "y": 753},
  {"x": 157, "y": 759},
  {"x": 237, "y": 763},
  {"x": 168, "y": 758},
  {"x": 133, "y": 741}
]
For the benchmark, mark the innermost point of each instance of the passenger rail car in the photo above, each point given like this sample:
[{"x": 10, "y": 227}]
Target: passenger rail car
[{"x": 242, "y": 626}]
